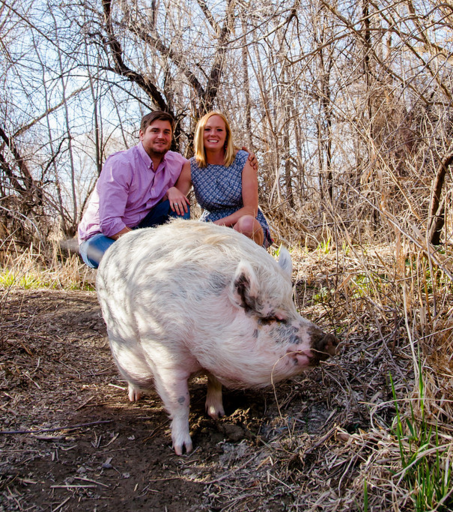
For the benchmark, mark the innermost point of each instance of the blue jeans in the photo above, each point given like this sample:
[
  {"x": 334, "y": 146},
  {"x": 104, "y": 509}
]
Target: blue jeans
[{"x": 93, "y": 249}]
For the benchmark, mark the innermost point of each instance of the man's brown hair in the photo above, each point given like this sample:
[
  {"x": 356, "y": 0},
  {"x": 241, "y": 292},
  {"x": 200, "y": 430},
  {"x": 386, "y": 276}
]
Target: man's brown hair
[{"x": 157, "y": 115}]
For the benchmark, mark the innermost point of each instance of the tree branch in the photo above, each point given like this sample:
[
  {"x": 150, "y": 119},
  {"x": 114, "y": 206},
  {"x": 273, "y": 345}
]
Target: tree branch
[
  {"x": 436, "y": 216},
  {"x": 121, "y": 68}
]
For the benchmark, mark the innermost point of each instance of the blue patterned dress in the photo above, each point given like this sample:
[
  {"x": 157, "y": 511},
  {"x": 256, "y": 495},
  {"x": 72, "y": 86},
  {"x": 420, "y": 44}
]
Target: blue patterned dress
[{"x": 218, "y": 190}]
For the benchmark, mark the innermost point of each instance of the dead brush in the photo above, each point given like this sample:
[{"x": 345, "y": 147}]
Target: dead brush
[
  {"x": 44, "y": 266},
  {"x": 399, "y": 298}
]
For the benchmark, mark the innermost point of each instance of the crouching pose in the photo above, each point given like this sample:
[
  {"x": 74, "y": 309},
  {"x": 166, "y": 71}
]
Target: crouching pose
[
  {"x": 135, "y": 190},
  {"x": 224, "y": 181}
]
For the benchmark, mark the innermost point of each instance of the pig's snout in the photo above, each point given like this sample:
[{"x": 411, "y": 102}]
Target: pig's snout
[{"x": 322, "y": 345}]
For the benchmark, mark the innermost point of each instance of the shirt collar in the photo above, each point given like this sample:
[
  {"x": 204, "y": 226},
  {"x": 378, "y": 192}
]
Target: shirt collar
[{"x": 147, "y": 158}]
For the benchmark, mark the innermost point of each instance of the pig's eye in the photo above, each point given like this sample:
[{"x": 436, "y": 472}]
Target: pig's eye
[{"x": 270, "y": 319}]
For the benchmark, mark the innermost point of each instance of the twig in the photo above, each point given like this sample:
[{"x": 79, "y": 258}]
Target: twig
[
  {"x": 89, "y": 480},
  {"x": 235, "y": 470},
  {"x": 118, "y": 387},
  {"x": 112, "y": 440},
  {"x": 25, "y": 333},
  {"x": 62, "y": 504},
  {"x": 323, "y": 439},
  {"x": 279, "y": 481},
  {"x": 35, "y": 383},
  {"x": 83, "y": 405},
  {"x": 156, "y": 430},
  {"x": 69, "y": 427},
  {"x": 73, "y": 486}
]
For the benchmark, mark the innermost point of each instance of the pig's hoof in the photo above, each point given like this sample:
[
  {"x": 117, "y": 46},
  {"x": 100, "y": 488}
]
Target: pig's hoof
[
  {"x": 134, "y": 393},
  {"x": 180, "y": 435},
  {"x": 179, "y": 444},
  {"x": 215, "y": 411}
]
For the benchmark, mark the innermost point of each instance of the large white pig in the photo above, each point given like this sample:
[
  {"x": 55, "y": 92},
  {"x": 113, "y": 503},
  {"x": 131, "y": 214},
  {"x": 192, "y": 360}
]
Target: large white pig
[{"x": 191, "y": 296}]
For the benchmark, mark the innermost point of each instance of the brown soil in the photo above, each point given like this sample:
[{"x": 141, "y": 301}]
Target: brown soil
[{"x": 91, "y": 449}]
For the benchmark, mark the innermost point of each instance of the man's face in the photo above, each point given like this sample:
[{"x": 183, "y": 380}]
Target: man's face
[{"x": 156, "y": 139}]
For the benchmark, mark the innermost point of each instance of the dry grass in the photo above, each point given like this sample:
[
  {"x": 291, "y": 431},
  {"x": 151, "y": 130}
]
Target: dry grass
[
  {"x": 400, "y": 299},
  {"x": 45, "y": 266}
]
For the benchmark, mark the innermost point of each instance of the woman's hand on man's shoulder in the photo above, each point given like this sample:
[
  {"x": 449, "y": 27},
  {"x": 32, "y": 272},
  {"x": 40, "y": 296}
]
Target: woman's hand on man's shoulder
[{"x": 251, "y": 159}]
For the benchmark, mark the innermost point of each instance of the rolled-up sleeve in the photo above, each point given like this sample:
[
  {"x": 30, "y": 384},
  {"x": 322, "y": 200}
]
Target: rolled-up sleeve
[{"x": 113, "y": 190}]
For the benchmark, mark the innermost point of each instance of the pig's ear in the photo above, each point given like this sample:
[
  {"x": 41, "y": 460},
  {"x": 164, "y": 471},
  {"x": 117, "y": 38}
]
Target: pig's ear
[
  {"x": 284, "y": 260},
  {"x": 244, "y": 288}
]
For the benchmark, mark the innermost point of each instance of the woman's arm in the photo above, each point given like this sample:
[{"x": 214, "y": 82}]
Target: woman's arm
[
  {"x": 177, "y": 194},
  {"x": 249, "y": 197}
]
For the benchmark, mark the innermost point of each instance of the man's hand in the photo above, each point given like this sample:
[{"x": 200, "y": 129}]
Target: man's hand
[
  {"x": 121, "y": 233},
  {"x": 252, "y": 159},
  {"x": 178, "y": 201}
]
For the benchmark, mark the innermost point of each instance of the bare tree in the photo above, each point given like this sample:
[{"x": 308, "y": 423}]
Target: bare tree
[{"x": 348, "y": 107}]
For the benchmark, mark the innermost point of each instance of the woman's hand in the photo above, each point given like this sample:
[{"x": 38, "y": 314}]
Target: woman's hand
[
  {"x": 251, "y": 159},
  {"x": 178, "y": 201}
]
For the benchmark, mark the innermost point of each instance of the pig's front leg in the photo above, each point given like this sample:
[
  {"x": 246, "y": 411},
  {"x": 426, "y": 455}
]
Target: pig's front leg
[
  {"x": 171, "y": 384},
  {"x": 214, "y": 404}
]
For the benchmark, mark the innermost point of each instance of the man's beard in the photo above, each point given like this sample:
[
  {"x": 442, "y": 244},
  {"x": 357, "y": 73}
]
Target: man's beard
[{"x": 158, "y": 152}]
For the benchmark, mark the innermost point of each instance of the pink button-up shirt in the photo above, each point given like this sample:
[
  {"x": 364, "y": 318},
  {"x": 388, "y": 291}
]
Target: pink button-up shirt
[{"x": 127, "y": 189}]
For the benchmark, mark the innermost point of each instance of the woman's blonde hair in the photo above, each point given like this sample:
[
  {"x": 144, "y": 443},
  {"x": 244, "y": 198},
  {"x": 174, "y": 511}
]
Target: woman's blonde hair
[{"x": 200, "y": 153}]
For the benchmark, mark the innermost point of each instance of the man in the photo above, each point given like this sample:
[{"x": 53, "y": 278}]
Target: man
[{"x": 135, "y": 190}]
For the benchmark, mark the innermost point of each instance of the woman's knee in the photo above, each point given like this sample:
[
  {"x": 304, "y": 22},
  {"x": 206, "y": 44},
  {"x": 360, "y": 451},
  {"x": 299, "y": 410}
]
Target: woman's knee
[
  {"x": 245, "y": 225},
  {"x": 249, "y": 226}
]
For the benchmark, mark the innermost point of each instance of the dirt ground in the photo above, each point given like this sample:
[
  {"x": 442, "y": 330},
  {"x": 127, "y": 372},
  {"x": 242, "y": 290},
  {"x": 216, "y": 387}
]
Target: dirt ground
[{"x": 71, "y": 440}]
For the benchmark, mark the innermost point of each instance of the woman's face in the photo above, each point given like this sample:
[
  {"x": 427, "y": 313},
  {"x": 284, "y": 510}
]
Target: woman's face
[{"x": 214, "y": 136}]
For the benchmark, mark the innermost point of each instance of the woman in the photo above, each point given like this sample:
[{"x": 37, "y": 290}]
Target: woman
[{"x": 225, "y": 184}]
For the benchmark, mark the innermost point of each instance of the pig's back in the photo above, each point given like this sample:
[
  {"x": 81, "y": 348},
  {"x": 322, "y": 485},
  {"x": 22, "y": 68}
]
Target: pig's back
[
  {"x": 174, "y": 272},
  {"x": 176, "y": 251}
]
